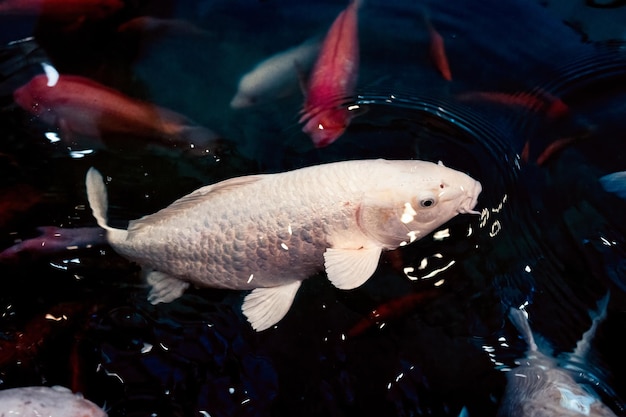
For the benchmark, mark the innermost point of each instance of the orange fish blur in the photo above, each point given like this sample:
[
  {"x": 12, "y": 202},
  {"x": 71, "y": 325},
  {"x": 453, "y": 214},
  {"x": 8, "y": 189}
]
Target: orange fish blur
[
  {"x": 333, "y": 79},
  {"x": 64, "y": 11},
  {"x": 78, "y": 105},
  {"x": 553, "y": 148},
  {"x": 25, "y": 345},
  {"x": 391, "y": 310},
  {"x": 552, "y": 107},
  {"x": 15, "y": 200},
  {"x": 53, "y": 241},
  {"x": 157, "y": 25},
  {"x": 438, "y": 51}
]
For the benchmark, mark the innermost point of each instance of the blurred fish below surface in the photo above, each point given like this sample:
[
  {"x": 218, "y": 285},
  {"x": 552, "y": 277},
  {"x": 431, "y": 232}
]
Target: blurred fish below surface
[
  {"x": 67, "y": 14},
  {"x": 50, "y": 401},
  {"x": 522, "y": 96},
  {"x": 541, "y": 386},
  {"x": 276, "y": 76},
  {"x": 79, "y": 106}
]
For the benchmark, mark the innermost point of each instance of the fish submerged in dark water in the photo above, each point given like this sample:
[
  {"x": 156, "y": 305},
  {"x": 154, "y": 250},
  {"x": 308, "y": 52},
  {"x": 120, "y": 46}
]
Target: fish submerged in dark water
[
  {"x": 54, "y": 401},
  {"x": 267, "y": 233},
  {"x": 65, "y": 11},
  {"x": 276, "y": 76},
  {"x": 615, "y": 183},
  {"x": 539, "y": 387}
]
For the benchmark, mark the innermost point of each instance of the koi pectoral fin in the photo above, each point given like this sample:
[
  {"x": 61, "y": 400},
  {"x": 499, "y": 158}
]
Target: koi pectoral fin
[
  {"x": 264, "y": 307},
  {"x": 350, "y": 268},
  {"x": 165, "y": 288}
]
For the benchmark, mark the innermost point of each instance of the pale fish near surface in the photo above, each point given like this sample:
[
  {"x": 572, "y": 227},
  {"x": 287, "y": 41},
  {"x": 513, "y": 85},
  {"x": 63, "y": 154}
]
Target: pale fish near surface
[
  {"x": 276, "y": 76},
  {"x": 267, "y": 233},
  {"x": 540, "y": 387},
  {"x": 615, "y": 183},
  {"x": 54, "y": 401}
]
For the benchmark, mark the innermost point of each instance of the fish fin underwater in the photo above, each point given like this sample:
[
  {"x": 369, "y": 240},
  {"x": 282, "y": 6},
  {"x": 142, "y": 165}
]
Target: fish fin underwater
[
  {"x": 615, "y": 183},
  {"x": 98, "y": 201},
  {"x": 519, "y": 319},
  {"x": 164, "y": 288},
  {"x": 264, "y": 307},
  {"x": 565, "y": 385},
  {"x": 97, "y": 196},
  {"x": 597, "y": 316},
  {"x": 350, "y": 268}
]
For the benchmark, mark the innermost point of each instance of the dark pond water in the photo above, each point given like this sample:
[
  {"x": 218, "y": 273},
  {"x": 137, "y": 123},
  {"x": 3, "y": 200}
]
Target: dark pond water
[{"x": 549, "y": 237}]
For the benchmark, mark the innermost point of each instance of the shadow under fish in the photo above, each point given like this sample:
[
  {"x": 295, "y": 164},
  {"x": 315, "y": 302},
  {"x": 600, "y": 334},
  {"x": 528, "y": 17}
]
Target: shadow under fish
[{"x": 541, "y": 387}]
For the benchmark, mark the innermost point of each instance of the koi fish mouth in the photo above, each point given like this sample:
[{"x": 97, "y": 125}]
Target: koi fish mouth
[{"x": 467, "y": 207}]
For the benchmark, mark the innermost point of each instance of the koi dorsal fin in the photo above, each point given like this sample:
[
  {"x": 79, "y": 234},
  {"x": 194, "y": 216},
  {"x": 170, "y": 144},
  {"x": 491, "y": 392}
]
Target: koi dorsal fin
[{"x": 190, "y": 200}]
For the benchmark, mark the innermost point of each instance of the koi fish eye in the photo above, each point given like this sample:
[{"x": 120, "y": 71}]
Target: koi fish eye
[{"x": 426, "y": 200}]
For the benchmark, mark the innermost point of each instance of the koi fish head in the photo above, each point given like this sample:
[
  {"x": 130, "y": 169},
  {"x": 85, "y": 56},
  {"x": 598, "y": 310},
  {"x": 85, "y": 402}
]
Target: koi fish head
[
  {"x": 415, "y": 199},
  {"x": 34, "y": 98},
  {"x": 29, "y": 97}
]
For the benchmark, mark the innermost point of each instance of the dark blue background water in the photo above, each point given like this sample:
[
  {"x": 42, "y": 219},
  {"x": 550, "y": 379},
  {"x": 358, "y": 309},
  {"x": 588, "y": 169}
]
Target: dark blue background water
[{"x": 549, "y": 234}]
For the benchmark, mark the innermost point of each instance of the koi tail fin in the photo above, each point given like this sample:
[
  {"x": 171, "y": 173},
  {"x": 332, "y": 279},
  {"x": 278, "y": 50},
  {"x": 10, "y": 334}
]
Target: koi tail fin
[
  {"x": 584, "y": 344},
  {"x": 520, "y": 321},
  {"x": 98, "y": 201}
]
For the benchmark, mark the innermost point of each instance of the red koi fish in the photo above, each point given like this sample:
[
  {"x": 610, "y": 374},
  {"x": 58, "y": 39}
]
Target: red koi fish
[
  {"x": 62, "y": 11},
  {"x": 52, "y": 241},
  {"x": 552, "y": 107},
  {"x": 438, "y": 51},
  {"x": 25, "y": 344},
  {"x": 147, "y": 25},
  {"x": 16, "y": 199},
  {"x": 554, "y": 148},
  {"x": 78, "y": 105},
  {"x": 332, "y": 79},
  {"x": 390, "y": 310},
  {"x": 67, "y": 320}
]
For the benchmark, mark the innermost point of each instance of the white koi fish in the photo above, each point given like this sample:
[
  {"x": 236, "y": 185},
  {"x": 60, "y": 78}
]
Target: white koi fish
[
  {"x": 540, "y": 387},
  {"x": 276, "y": 76},
  {"x": 267, "y": 233},
  {"x": 54, "y": 401}
]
